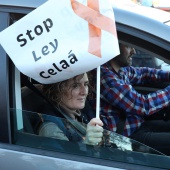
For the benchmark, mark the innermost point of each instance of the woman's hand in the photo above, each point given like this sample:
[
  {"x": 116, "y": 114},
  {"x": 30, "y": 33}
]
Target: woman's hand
[{"x": 94, "y": 132}]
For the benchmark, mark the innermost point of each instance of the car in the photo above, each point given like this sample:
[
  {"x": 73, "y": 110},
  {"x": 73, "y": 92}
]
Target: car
[{"x": 147, "y": 30}]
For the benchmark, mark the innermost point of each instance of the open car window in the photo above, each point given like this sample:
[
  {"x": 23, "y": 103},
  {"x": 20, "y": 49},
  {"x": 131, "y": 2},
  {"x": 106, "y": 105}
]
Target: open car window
[{"x": 114, "y": 146}]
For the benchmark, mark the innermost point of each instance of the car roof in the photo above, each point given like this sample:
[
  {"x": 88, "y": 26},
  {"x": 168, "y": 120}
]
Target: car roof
[
  {"x": 151, "y": 20},
  {"x": 153, "y": 13},
  {"x": 126, "y": 7}
]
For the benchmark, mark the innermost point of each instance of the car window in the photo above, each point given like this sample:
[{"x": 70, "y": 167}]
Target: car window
[
  {"x": 144, "y": 59},
  {"x": 114, "y": 147}
]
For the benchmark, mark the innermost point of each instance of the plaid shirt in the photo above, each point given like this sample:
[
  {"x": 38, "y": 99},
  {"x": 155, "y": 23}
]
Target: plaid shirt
[{"x": 120, "y": 96}]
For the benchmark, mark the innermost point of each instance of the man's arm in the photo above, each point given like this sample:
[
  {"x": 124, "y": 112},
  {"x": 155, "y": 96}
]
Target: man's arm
[
  {"x": 121, "y": 94},
  {"x": 144, "y": 75}
]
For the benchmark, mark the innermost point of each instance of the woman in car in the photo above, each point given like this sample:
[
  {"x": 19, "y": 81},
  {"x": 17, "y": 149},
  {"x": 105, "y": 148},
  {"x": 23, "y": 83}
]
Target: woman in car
[{"x": 69, "y": 97}]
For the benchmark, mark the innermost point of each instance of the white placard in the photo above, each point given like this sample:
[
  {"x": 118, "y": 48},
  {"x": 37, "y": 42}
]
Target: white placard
[{"x": 61, "y": 39}]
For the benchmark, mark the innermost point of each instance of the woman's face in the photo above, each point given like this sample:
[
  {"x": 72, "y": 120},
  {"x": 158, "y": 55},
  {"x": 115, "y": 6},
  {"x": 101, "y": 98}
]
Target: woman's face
[{"x": 74, "y": 98}]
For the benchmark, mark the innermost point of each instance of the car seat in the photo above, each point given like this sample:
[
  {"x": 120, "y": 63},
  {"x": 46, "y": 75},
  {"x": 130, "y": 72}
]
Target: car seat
[
  {"x": 32, "y": 105},
  {"x": 31, "y": 101}
]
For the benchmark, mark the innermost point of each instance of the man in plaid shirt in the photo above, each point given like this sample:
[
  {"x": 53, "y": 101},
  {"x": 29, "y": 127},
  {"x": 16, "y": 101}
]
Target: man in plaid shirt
[{"x": 119, "y": 97}]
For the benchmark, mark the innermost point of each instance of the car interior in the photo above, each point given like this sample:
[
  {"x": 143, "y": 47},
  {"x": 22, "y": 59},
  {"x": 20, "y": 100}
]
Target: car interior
[{"x": 31, "y": 103}]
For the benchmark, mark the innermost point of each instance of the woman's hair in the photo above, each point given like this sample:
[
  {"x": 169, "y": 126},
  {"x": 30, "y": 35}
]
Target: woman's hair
[{"x": 54, "y": 92}]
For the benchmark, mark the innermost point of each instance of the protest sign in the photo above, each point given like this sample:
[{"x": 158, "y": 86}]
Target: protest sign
[{"x": 61, "y": 39}]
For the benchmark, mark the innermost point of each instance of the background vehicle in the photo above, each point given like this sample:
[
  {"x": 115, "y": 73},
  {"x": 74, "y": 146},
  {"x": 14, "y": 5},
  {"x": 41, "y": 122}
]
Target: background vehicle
[{"x": 25, "y": 151}]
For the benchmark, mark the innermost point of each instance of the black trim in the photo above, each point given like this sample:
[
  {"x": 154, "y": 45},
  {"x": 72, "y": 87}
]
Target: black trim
[{"x": 5, "y": 128}]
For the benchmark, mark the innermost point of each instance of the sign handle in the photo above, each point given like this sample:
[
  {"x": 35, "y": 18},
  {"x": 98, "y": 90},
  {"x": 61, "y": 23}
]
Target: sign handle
[{"x": 98, "y": 93}]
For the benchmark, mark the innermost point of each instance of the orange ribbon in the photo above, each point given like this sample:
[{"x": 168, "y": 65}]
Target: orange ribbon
[{"x": 96, "y": 23}]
